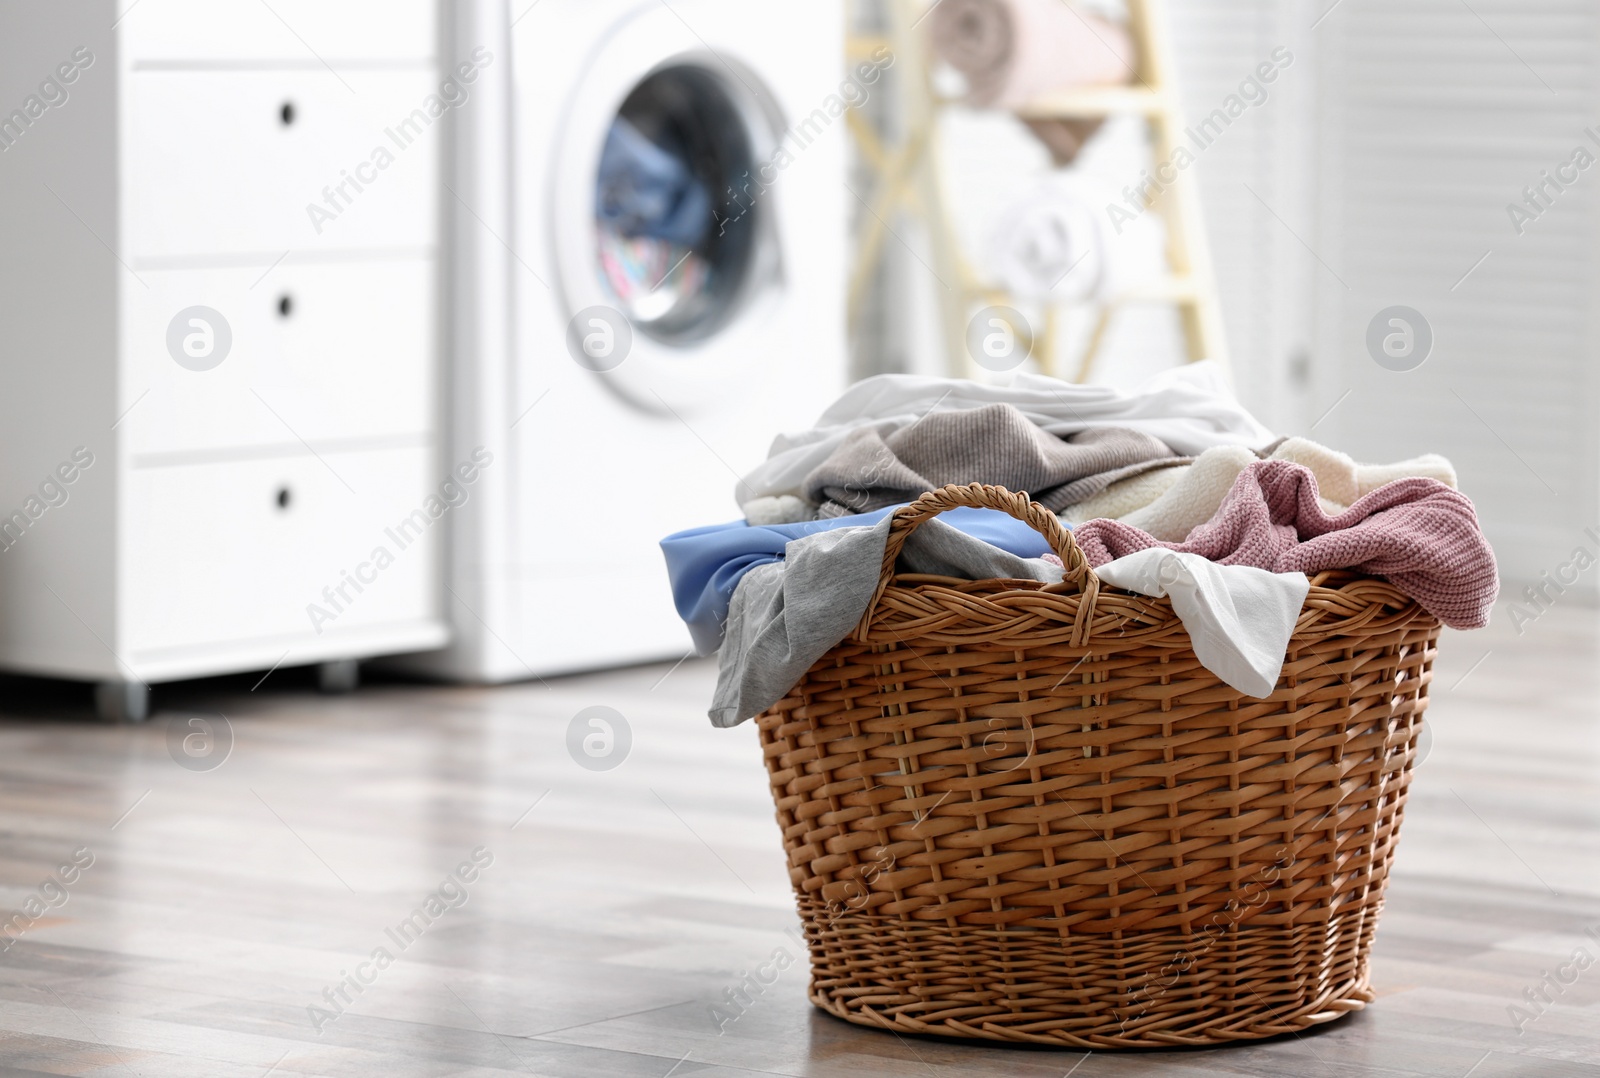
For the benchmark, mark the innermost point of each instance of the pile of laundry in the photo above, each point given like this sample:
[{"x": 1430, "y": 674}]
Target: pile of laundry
[{"x": 1174, "y": 490}]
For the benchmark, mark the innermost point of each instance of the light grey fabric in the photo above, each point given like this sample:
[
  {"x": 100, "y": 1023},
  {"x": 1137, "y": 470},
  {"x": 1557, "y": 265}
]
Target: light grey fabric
[
  {"x": 1189, "y": 407},
  {"x": 785, "y": 616},
  {"x": 995, "y": 443}
]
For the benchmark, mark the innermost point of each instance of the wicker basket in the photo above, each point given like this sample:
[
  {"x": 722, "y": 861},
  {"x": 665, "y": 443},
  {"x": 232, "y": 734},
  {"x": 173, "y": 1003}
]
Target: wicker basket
[{"x": 1027, "y": 813}]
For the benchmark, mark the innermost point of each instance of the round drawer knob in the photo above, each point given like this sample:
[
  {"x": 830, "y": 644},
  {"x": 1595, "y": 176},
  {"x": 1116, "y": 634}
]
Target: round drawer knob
[
  {"x": 283, "y": 498},
  {"x": 285, "y": 305},
  {"x": 286, "y": 113}
]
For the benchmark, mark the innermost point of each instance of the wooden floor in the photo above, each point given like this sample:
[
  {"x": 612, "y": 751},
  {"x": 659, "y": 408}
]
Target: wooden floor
[{"x": 620, "y": 905}]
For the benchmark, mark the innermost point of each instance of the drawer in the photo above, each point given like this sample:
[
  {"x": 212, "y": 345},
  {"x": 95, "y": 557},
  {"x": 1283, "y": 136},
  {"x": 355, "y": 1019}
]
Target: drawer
[
  {"x": 242, "y": 551},
  {"x": 321, "y": 352},
  {"x": 260, "y": 162},
  {"x": 287, "y": 31}
]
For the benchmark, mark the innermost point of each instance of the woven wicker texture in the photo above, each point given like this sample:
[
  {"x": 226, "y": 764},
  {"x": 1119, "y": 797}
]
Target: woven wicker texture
[{"x": 1027, "y": 812}]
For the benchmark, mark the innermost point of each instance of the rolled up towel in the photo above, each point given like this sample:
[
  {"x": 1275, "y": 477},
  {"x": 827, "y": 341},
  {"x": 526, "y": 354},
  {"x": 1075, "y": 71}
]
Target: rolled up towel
[
  {"x": 978, "y": 39},
  {"x": 1053, "y": 243},
  {"x": 1013, "y": 52}
]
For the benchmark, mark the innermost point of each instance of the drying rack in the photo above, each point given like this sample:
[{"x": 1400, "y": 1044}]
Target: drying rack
[{"x": 906, "y": 176}]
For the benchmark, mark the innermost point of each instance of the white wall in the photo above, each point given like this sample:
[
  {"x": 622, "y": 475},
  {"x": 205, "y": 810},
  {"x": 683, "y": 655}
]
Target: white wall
[{"x": 1432, "y": 118}]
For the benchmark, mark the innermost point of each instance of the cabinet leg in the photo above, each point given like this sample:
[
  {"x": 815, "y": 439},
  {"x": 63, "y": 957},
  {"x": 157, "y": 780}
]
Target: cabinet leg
[
  {"x": 338, "y": 676},
  {"x": 122, "y": 701}
]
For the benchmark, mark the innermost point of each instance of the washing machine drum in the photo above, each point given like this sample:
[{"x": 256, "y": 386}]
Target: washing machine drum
[
  {"x": 673, "y": 245},
  {"x": 667, "y": 245}
]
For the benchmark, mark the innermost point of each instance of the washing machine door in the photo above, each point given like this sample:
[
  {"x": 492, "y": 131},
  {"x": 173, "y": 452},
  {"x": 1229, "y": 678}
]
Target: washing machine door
[{"x": 667, "y": 246}]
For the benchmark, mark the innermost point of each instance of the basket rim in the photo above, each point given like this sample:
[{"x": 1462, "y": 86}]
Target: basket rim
[
  {"x": 948, "y": 611},
  {"x": 1339, "y": 602}
]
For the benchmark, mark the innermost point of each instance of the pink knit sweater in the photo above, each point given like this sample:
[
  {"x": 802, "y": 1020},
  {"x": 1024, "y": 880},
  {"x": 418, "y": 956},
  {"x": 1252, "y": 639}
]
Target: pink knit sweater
[{"x": 1418, "y": 534}]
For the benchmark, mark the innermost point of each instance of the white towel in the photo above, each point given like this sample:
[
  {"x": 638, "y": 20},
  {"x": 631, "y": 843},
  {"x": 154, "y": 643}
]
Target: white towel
[
  {"x": 1194, "y": 498},
  {"x": 1239, "y": 618},
  {"x": 1126, "y": 495},
  {"x": 1052, "y": 242},
  {"x": 778, "y": 509}
]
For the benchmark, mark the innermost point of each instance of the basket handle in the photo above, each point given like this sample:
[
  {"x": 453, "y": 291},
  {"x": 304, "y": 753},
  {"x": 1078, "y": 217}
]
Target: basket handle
[{"x": 982, "y": 496}]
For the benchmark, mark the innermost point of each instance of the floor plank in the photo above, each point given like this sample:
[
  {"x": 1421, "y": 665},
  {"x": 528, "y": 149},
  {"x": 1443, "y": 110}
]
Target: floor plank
[{"x": 618, "y": 905}]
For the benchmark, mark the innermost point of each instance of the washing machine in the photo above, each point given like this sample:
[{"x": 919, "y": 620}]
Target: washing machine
[{"x": 649, "y": 213}]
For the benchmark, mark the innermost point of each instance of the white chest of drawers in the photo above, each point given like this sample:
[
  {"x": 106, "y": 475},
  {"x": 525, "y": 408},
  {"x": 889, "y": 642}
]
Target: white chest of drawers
[{"x": 218, "y": 336}]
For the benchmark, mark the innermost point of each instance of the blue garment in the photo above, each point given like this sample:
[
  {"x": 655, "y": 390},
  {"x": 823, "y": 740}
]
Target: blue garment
[
  {"x": 644, "y": 190},
  {"x": 706, "y": 564}
]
